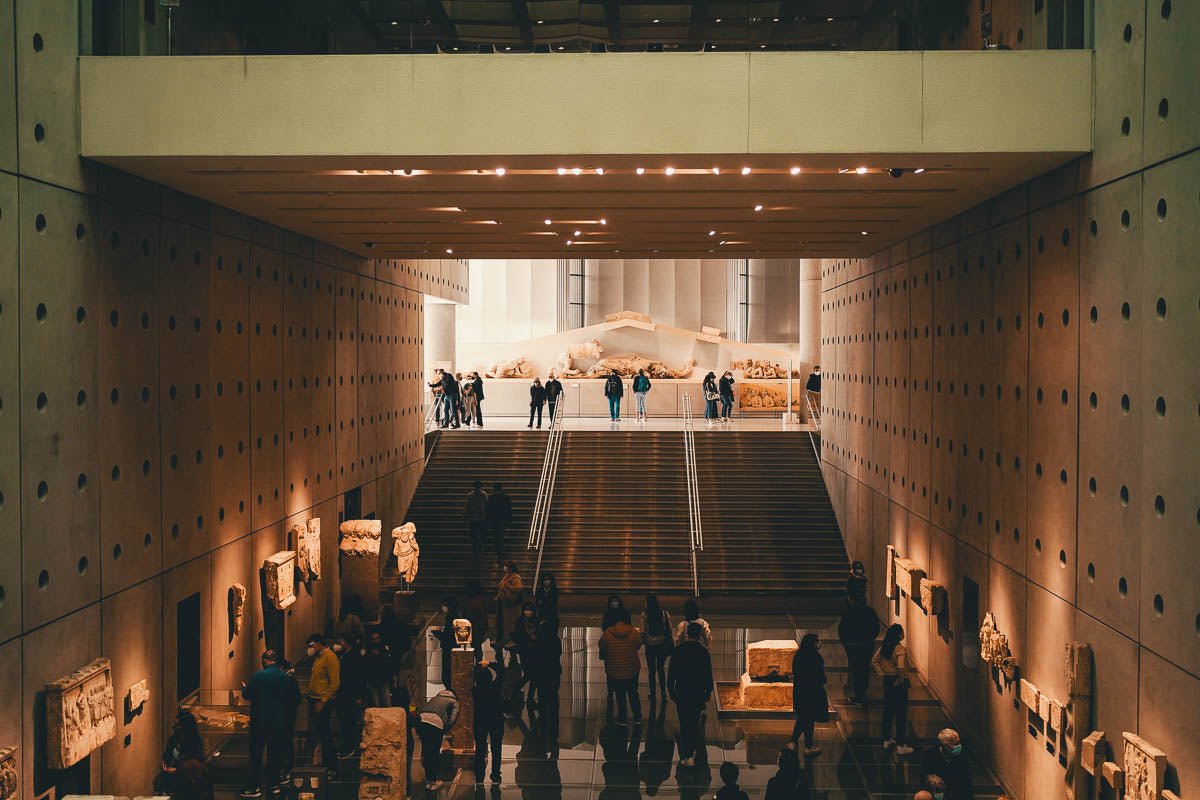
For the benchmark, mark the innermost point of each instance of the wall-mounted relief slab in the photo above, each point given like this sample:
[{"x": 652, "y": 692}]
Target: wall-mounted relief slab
[
  {"x": 994, "y": 649},
  {"x": 307, "y": 540},
  {"x": 933, "y": 596},
  {"x": 1029, "y": 695},
  {"x": 280, "y": 572},
  {"x": 1145, "y": 768},
  {"x": 360, "y": 537},
  {"x": 237, "y": 608},
  {"x": 80, "y": 714},
  {"x": 889, "y": 580},
  {"x": 137, "y": 696},
  {"x": 8, "y": 773}
]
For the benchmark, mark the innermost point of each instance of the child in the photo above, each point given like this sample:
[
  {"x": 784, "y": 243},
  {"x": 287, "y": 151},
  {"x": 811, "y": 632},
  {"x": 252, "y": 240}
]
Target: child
[{"x": 730, "y": 791}]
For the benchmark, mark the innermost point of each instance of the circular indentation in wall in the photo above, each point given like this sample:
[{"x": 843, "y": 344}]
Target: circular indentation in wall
[
  {"x": 145, "y": 247},
  {"x": 175, "y": 531},
  {"x": 1092, "y": 486},
  {"x": 81, "y": 398},
  {"x": 1066, "y": 237},
  {"x": 172, "y": 252},
  {"x": 1064, "y": 397},
  {"x": 147, "y": 540},
  {"x": 1062, "y": 477},
  {"x": 1160, "y": 308},
  {"x": 145, "y": 394},
  {"x": 1093, "y": 400},
  {"x": 1126, "y": 311},
  {"x": 1126, "y": 126},
  {"x": 38, "y": 43},
  {"x": 39, "y": 130},
  {"x": 1165, "y": 9},
  {"x": 172, "y": 391},
  {"x": 42, "y": 401},
  {"x": 116, "y": 473},
  {"x": 171, "y": 322},
  {"x": 1127, "y": 34},
  {"x": 1093, "y": 228},
  {"x": 146, "y": 467},
  {"x": 1160, "y": 506},
  {"x": 81, "y": 482},
  {"x": 39, "y": 223},
  {"x": 43, "y": 579},
  {"x": 1066, "y": 317},
  {"x": 1037, "y": 545},
  {"x": 113, "y": 318},
  {"x": 80, "y": 232},
  {"x": 1125, "y": 403},
  {"x": 40, "y": 312},
  {"x": 1018, "y": 321},
  {"x": 118, "y": 551},
  {"x": 1037, "y": 469},
  {"x": 199, "y": 523},
  {"x": 1039, "y": 395},
  {"x": 1160, "y": 407},
  {"x": 1041, "y": 244},
  {"x": 1091, "y": 573},
  {"x": 1123, "y": 587},
  {"x": 145, "y": 321},
  {"x": 1124, "y": 495},
  {"x": 1159, "y": 605},
  {"x": 1041, "y": 320},
  {"x": 1125, "y": 219},
  {"x": 1062, "y": 558},
  {"x": 221, "y": 514}
]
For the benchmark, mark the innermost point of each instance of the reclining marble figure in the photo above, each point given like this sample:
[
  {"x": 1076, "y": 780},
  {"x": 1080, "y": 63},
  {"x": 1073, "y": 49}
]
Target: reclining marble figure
[
  {"x": 517, "y": 368},
  {"x": 627, "y": 366}
]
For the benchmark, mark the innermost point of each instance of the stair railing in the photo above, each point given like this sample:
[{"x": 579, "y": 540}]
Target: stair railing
[
  {"x": 695, "y": 520},
  {"x": 431, "y": 412},
  {"x": 540, "y": 520},
  {"x": 814, "y": 416}
]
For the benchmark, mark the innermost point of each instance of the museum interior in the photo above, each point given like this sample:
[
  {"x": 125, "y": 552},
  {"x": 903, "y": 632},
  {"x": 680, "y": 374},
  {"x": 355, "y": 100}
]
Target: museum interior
[{"x": 281, "y": 280}]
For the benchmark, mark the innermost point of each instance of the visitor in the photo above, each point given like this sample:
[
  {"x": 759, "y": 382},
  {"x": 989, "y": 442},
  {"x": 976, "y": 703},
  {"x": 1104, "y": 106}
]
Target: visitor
[
  {"x": 641, "y": 388},
  {"x": 524, "y": 643},
  {"x": 348, "y": 625},
  {"x": 404, "y": 700},
  {"x": 351, "y": 696},
  {"x": 554, "y": 391},
  {"x": 857, "y": 631},
  {"x": 691, "y": 614},
  {"x": 689, "y": 685},
  {"x": 377, "y": 667},
  {"x": 445, "y": 635},
  {"x": 439, "y": 397},
  {"x": 856, "y": 582},
  {"x": 659, "y": 639},
  {"x": 946, "y": 761},
  {"x": 397, "y": 636},
  {"x": 510, "y": 595},
  {"x": 890, "y": 662},
  {"x": 488, "y": 722},
  {"x": 537, "y": 399},
  {"x": 546, "y": 675},
  {"x": 461, "y": 408},
  {"x": 730, "y": 790},
  {"x": 477, "y": 389},
  {"x": 475, "y": 610},
  {"x": 789, "y": 783},
  {"x": 612, "y": 612},
  {"x": 192, "y": 781},
  {"x": 450, "y": 399},
  {"x": 813, "y": 388},
  {"x": 619, "y": 651},
  {"x": 499, "y": 517},
  {"x": 183, "y": 744},
  {"x": 469, "y": 405},
  {"x": 273, "y": 696},
  {"x": 725, "y": 389},
  {"x": 289, "y": 741},
  {"x": 475, "y": 515},
  {"x": 545, "y": 599},
  {"x": 614, "y": 390},
  {"x": 437, "y": 717},
  {"x": 323, "y": 683},
  {"x": 809, "y": 701},
  {"x": 934, "y": 786},
  {"x": 711, "y": 395}
]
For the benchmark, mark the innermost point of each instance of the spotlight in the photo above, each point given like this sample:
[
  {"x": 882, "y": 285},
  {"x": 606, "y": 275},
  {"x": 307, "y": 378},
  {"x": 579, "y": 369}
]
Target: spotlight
[
  {"x": 576, "y": 171},
  {"x": 712, "y": 233},
  {"x": 599, "y": 170},
  {"x": 449, "y": 251},
  {"x": 670, "y": 170},
  {"x": 394, "y": 22},
  {"x": 501, "y": 171},
  {"x": 603, "y": 221},
  {"x": 861, "y": 170},
  {"x": 640, "y": 170},
  {"x": 745, "y": 170},
  {"x": 895, "y": 172},
  {"x": 716, "y": 170},
  {"x": 569, "y": 243},
  {"x": 918, "y": 170},
  {"x": 546, "y": 221},
  {"x": 578, "y": 234},
  {"x": 758, "y": 207},
  {"x": 864, "y": 233},
  {"x": 795, "y": 170},
  {"x": 562, "y": 171}
]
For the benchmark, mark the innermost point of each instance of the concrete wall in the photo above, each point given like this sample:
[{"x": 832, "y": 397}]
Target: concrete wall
[
  {"x": 178, "y": 384},
  {"x": 1010, "y": 398},
  {"x": 511, "y": 300}
]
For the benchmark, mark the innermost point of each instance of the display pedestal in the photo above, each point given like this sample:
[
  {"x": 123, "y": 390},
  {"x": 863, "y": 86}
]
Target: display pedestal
[
  {"x": 462, "y": 681},
  {"x": 384, "y": 761},
  {"x": 360, "y": 576}
]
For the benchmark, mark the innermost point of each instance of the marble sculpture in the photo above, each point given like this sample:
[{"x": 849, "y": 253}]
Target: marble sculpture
[
  {"x": 280, "y": 570},
  {"x": 462, "y": 632},
  {"x": 1029, "y": 695},
  {"x": 933, "y": 596},
  {"x": 994, "y": 649},
  {"x": 761, "y": 369},
  {"x": 765, "y": 397},
  {"x": 1145, "y": 768},
  {"x": 237, "y": 608},
  {"x": 889, "y": 580},
  {"x": 8, "y": 773},
  {"x": 307, "y": 539},
  {"x": 360, "y": 537},
  {"x": 80, "y": 713},
  {"x": 406, "y": 550},
  {"x": 517, "y": 368},
  {"x": 137, "y": 695},
  {"x": 1091, "y": 754},
  {"x": 382, "y": 762},
  {"x": 628, "y": 365},
  {"x": 908, "y": 577}
]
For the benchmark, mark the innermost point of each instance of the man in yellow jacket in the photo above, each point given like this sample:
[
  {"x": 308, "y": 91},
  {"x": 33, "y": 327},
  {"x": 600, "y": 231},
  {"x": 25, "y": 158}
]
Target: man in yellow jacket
[{"x": 323, "y": 685}]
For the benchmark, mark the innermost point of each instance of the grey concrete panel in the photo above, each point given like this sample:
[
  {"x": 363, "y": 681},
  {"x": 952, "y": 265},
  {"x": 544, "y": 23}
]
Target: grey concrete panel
[
  {"x": 1007, "y": 601},
  {"x": 8, "y": 88},
  {"x": 298, "y": 382},
  {"x": 1051, "y": 624},
  {"x": 1169, "y": 718},
  {"x": 1171, "y": 110},
  {"x": 10, "y": 404},
  {"x": 324, "y": 344},
  {"x": 346, "y": 360},
  {"x": 233, "y": 657},
  {"x": 266, "y": 386},
  {"x": 1115, "y": 672},
  {"x": 1120, "y": 42},
  {"x": 179, "y": 583},
  {"x": 920, "y": 409}
]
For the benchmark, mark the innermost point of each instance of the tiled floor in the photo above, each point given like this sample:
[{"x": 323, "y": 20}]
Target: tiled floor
[{"x": 597, "y": 760}]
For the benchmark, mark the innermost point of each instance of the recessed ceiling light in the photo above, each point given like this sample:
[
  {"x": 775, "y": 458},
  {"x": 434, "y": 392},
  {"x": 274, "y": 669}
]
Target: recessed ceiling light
[
  {"x": 763, "y": 46},
  {"x": 546, "y": 221},
  {"x": 640, "y": 170},
  {"x": 541, "y": 22},
  {"x": 394, "y": 22},
  {"x": 506, "y": 49},
  {"x": 722, "y": 242},
  {"x": 562, "y": 170},
  {"x": 776, "y": 19},
  {"x": 449, "y": 251},
  {"x": 575, "y": 170},
  {"x": 717, "y": 20},
  {"x": 599, "y": 170},
  {"x": 569, "y": 243},
  {"x": 829, "y": 19},
  {"x": 603, "y": 221},
  {"x": 670, "y": 170},
  {"x": 758, "y": 207},
  {"x": 716, "y": 170},
  {"x": 578, "y": 233},
  {"x": 655, "y": 22},
  {"x": 795, "y": 170},
  {"x": 745, "y": 170},
  {"x": 864, "y": 233},
  {"x": 918, "y": 170},
  {"x": 712, "y": 233},
  {"x": 501, "y": 171},
  {"x": 861, "y": 170}
]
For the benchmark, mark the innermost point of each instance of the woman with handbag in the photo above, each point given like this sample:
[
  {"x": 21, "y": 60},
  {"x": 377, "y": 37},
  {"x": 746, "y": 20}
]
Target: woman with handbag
[
  {"x": 891, "y": 663},
  {"x": 656, "y": 633},
  {"x": 810, "y": 704},
  {"x": 711, "y": 395}
]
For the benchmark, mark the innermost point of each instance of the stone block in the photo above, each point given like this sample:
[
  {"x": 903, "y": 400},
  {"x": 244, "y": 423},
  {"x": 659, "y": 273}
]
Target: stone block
[
  {"x": 1043, "y": 706},
  {"x": 307, "y": 540},
  {"x": 1056, "y": 714},
  {"x": 280, "y": 572},
  {"x": 770, "y": 659},
  {"x": 889, "y": 580},
  {"x": 80, "y": 714},
  {"x": 1079, "y": 669},
  {"x": 237, "y": 608},
  {"x": 383, "y": 758},
  {"x": 908, "y": 578},
  {"x": 360, "y": 537},
  {"x": 933, "y": 596},
  {"x": 137, "y": 696},
  {"x": 1145, "y": 768},
  {"x": 462, "y": 681},
  {"x": 1092, "y": 753},
  {"x": 1114, "y": 776},
  {"x": 8, "y": 773},
  {"x": 994, "y": 649},
  {"x": 1029, "y": 695},
  {"x": 765, "y": 696}
]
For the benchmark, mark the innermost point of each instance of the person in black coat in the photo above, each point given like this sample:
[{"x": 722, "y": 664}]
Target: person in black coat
[
  {"x": 545, "y": 598},
  {"x": 499, "y": 516},
  {"x": 554, "y": 390},
  {"x": 445, "y": 636},
  {"x": 689, "y": 684},
  {"x": 809, "y": 701},
  {"x": 948, "y": 762},
  {"x": 451, "y": 394},
  {"x": 545, "y": 671},
  {"x": 857, "y": 631},
  {"x": 477, "y": 386},
  {"x": 489, "y": 718},
  {"x": 614, "y": 390},
  {"x": 537, "y": 399},
  {"x": 725, "y": 389},
  {"x": 856, "y": 582},
  {"x": 789, "y": 783}
]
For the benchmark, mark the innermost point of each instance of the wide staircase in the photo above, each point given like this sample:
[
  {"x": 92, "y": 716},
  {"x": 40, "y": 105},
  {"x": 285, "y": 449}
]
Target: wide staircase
[
  {"x": 769, "y": 527},
  {"x": 618, "y": 520},
  {"x": 510, "y": 458}
]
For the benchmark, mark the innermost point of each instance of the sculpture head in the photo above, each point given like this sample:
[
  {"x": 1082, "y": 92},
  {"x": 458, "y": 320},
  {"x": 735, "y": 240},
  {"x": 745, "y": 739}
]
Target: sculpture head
[
  {"x": 462, "y": 632},
  {"x": 405, "y": 532}
]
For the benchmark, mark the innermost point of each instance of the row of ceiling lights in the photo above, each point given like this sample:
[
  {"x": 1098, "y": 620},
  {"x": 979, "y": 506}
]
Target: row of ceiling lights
[
  {"x": 669, "y": 171},
  {"x": 656, "y": 21}
]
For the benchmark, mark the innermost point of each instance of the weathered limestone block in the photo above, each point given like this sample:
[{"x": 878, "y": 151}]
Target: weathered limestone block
[
  {"x": 994, "y": 649},
  {"x": 462, "y": 632},
  {"x": 1079, "y": 669},
  {"x": 1114, "y": 776},
  {"x": 770, "y": 660},
  {"x": 1145, "y": 768},
  {"x": 8, "y": 773},
  {"x": 137, "y": 696},
  {"x": 1091, "y": 754},
  {"x": 908, "y": 576},
  {"x": 360, "y": 537},
  {"x": 307, "y": 540},
  {"x": 407, "y": 551},
  {"x": 1029, "y": 695},
  {"x": 711, "y": 331},
  {"x": 765, "y": 696},
  {"x": 237, "y": 608},
  {"x": 621, "y": 315},
  {"x": 1169, "y": 795},
  {"x": 889, "y": 581},
  {"x": 1043, "y": 706},
  {"x": 933, "y": 596},
  {"x": 1056, "y": 715},
  {"x": 383, "y": 756},
  {"x": 462, "y": 681},
  {"x": 280, "y": 570},
  {"x": 80, "y": 713}
]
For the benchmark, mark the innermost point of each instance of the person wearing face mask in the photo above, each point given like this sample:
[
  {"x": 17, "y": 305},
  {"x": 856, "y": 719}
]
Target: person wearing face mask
[
  {"x": 612, "y": 612},
  {"x": 890, "y": 662},
  {"x": 809, "y": 701},
  {"x": 445, "y": 635},
  {"x": 377, "y": 666},
  {"x": 488, "y": 722},
  {"x": 323, "y": 684},
  {"x": 351, "y": 697},
  {"x": 273, "y": 696},
  {"x": 947, "y": 762},
  {"x": 524, "y": 638},
  {"x": 545, "y": 598},
  {"x": 856, "y": 582}
]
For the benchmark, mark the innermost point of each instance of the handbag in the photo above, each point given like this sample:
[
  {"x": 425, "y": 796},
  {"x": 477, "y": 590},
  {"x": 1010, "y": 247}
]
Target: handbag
[{"x": 711, "y": 395}]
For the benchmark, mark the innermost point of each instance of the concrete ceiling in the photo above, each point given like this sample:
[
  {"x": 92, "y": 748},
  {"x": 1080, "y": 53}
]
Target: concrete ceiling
[{"x": 830, "y": 208}]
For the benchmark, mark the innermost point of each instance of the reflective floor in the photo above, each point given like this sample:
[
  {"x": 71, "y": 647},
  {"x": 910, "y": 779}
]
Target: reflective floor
[
  {"x": 594, "y": 758},
  {"x": 772, "y": 422}
]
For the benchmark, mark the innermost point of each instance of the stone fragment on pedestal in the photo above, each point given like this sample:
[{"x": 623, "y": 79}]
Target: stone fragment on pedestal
[
  {"x": 383, "y": 761},
  {"x": 462, "y": 681},
  {"x": 1114, "y": 776},
  {"x": 765, "y": 696},
  {"x": 770, "y": 659}
]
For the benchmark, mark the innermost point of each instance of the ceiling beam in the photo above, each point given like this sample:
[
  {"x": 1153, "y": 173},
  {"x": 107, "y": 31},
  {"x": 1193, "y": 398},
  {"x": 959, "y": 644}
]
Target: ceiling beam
[
  {"x": 521, "y": 14},
  {"x": 440, "y": 19}
]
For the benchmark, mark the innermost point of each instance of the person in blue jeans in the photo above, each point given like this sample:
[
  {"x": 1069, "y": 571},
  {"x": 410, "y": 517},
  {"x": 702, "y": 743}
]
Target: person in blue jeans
[
  {"x": 641, "y": 388},
  {"x": 614, "y": 390},
  {"x": 711, "y": 395},
  {"x": 726, "y": 391}
]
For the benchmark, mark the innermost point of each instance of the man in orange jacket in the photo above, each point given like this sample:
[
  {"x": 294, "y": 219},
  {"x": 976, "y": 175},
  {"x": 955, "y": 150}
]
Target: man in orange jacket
[{"x": 619, "y": 650}]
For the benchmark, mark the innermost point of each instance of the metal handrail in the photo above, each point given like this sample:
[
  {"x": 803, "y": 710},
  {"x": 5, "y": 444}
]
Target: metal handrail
[
  {"x": 815, "y": 418},
  {"x": 695, "y": 520},
  {"x": 431, "y": 413},
  {"x": 553, "y": 447}
]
